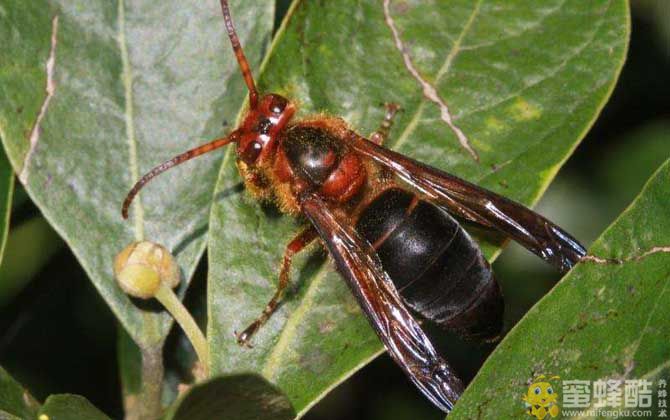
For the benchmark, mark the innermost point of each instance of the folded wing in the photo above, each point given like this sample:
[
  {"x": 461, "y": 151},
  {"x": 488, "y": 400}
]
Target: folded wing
[
  {"x": 479, "y": 205},
  {"x": 404, "y": 339}
]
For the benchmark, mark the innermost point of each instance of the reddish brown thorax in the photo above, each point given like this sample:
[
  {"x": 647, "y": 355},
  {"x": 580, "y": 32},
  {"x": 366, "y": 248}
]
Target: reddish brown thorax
[{"x": 282, "y": 160}]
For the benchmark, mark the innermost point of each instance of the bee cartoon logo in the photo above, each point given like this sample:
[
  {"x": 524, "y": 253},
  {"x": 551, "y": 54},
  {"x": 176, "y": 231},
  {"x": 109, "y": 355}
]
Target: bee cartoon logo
[{"x": 541, "y": 398}]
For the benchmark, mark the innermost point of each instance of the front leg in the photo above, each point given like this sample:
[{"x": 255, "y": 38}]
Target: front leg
[{"x": 300, "y": 242}]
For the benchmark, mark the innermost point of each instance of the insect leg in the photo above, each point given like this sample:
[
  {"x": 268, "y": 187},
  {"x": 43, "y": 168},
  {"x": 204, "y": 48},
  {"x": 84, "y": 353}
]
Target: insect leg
[
  {"x": 298, "y": 243},
  {"x": 382, "y": 132}
]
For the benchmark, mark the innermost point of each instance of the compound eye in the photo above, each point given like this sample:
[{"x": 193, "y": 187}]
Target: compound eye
[
  {"x": 251, "y": 152},
  {"x": 278, "y": 104}
]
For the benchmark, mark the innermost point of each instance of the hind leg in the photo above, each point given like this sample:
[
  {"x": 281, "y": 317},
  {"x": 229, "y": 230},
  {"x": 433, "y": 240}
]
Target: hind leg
[{"x": 382, "y": 132}]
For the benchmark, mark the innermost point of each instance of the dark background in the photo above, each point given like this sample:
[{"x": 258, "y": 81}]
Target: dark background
[{"x": 57, "y": 335}]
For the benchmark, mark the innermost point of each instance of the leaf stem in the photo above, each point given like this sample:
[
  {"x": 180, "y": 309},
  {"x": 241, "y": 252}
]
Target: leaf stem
[{"x": 149, "y": 404}]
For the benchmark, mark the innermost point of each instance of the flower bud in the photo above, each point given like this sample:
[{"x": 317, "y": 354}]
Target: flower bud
[{"x": 141, "y": 268}]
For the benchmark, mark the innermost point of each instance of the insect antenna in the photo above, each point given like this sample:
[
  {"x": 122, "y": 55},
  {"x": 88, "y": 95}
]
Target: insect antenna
[
  {"x": 197, "y": 151},
  {"x": 205, "y": 148},
  {"x": 241, "y": 59}
]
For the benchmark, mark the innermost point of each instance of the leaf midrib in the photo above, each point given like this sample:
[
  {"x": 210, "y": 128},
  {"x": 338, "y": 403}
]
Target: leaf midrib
[
  {"x": 444, "y": 70},
  {"x": 127, "y": 79}
]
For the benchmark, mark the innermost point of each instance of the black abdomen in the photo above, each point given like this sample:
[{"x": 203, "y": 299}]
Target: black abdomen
[{"x": 437, "y": 268}]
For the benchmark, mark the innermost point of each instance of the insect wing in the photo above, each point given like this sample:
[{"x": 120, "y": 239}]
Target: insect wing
[
  {"x": 479, "y": 205},
  {"x": 404, "y": 339}
]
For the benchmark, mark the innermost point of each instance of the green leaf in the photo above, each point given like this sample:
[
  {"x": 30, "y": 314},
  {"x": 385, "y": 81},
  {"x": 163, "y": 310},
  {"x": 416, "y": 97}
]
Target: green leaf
[
  {"x": 236, "y": 397},
  {"x": 131, "y": 84},
  {"x": 15, "y": 401},
  {"x": 70, "y": 407},
  {"x": 34, "y": 241},
  {"x": 6, "y": 192},
  {"x": 602, "y": 321},
  {"x": 523, "y": 81}
]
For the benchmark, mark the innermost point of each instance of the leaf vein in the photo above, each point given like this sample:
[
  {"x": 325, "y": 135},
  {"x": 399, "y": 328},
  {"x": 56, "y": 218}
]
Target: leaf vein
[
  {"x": 50, "y": 89},
  {"x": 455, "y": 49},
  {"x": 547, "y": 76}
]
